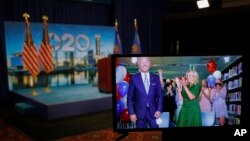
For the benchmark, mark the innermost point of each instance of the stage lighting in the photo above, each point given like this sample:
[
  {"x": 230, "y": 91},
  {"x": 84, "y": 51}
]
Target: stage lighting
[{"x": 202, "y": 4}]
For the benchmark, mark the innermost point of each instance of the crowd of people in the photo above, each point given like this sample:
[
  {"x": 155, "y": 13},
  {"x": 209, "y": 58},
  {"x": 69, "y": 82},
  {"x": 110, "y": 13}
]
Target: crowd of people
[{"x": 185, "y": 98}]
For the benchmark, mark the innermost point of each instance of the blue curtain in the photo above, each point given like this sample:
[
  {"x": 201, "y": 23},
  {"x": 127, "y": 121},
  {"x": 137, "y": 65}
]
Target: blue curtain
[{"x": 148, "y": 14}]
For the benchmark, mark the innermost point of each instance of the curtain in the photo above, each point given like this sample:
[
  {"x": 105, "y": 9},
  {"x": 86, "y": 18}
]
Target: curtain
[{"x": 148, "y": 15}]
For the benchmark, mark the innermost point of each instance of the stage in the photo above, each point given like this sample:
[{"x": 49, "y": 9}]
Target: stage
[{"x": 65, "y": 101}]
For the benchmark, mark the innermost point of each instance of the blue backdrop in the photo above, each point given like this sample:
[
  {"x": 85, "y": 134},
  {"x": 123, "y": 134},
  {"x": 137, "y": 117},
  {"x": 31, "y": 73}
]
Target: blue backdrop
[{"x": 74, "y": 53}]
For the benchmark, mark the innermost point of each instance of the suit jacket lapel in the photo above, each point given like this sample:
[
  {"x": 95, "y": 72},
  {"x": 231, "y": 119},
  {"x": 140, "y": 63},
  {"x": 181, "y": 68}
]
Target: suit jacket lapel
[{"x": 151, "y": 82}]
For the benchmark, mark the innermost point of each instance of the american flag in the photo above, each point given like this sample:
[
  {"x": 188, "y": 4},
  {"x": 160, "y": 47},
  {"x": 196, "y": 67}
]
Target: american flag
[
  {"x": 45, "y": 51},
  {"x": 29, "y": 55},
  {"x": 117, "y": 44},
  {"x": 136, "y": 47},
  {"x": 30, "y": 59},
  {"x": 46, "y": 57}
]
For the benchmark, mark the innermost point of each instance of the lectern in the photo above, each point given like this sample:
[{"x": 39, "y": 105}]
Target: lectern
[{"x": 104, "y": 75}]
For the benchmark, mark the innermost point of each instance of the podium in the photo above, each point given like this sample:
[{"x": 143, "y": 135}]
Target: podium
[{"x": 104, "y": 75}]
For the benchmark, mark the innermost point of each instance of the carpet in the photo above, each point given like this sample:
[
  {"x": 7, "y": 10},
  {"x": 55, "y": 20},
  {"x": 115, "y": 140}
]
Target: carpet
[
  {"x": 8, "y": 133},
  {"x": 109, "y": 135}
]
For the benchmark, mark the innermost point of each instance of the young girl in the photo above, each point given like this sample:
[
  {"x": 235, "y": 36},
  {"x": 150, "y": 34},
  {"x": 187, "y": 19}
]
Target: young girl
[
  {"x": 218, "y": 98},
  {"x": 204, "y": 99}
]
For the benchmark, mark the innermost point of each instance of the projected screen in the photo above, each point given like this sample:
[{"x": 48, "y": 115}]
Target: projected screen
[
  {"x": 177, "y": 91},
  {"x": 76, "y": 49}
]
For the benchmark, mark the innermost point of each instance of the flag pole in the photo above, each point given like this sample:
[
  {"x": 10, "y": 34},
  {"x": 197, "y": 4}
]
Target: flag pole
[
  {"x": 29, "y": 43},
  {"x": 116, "y": 23},
  {"x": 47, "y": 89},
  {"x": 34, "y": 92},
  {"x": 116, "y": 49},
  {"x": 135, "y": 23},
  {"x": 136, "y": 49},
  {"x": 45, "y": 18},
  {"x": 46, "y": 43}
]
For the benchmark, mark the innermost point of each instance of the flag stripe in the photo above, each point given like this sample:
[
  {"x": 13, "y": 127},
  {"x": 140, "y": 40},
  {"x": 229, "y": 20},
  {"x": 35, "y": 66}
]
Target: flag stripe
[
  {"x": 32, "y": 56},
  {"x": 46, "y": 67},
  {"x": 30, "y": 59},
  {"x": 30, "y": 68},
  {"x": 49, "y": 56},
  {"x": 46, "y": 57}
]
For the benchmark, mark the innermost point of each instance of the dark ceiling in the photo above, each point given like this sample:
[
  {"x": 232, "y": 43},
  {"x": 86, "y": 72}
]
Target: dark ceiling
[
  {"x": 181, "y": 6},
  {"x": 176, "y": 6}
]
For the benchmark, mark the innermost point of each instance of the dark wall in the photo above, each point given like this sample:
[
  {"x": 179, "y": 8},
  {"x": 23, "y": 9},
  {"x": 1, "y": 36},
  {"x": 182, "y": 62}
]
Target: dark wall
[
  {"x": 58, "y": 11},
  {"x": 220, "y": 31}
]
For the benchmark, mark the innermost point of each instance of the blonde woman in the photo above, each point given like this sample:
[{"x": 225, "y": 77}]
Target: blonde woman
[{"x": 189, "y": 91}]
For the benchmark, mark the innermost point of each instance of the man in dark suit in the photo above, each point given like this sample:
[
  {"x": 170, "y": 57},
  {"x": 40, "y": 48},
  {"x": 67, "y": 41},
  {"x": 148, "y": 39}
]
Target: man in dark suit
[{"x": 144, "y": 98}]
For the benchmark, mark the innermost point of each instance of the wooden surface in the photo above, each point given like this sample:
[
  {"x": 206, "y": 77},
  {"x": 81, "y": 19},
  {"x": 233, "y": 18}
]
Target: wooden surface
[{"x": 104, "y": 75}]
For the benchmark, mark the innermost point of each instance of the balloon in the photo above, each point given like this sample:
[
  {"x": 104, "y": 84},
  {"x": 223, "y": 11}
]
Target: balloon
[
  {"x": 217, "y": 74},
  {"x": 123, "y": 88},
  {"x": 125, "y": 116},
  {"x": 124, "y": 100},
  {"x": 211, "y": 66},
  {"x": 211, "y": 81},
  {"x": 119, "y": 108},
  {"x": 118, "y": 96},
  {"x": 127, "y": 77},
  {"x": 120, "y": 73}
]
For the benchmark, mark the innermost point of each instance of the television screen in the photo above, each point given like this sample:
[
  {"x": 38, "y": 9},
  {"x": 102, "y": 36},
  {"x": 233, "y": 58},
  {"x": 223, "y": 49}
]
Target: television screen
[{"x": 177, "y": 91}]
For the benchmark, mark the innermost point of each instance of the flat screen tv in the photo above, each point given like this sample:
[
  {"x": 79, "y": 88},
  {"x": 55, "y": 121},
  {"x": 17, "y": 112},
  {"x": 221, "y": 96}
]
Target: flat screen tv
[{"x": 213, "y": 90}]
